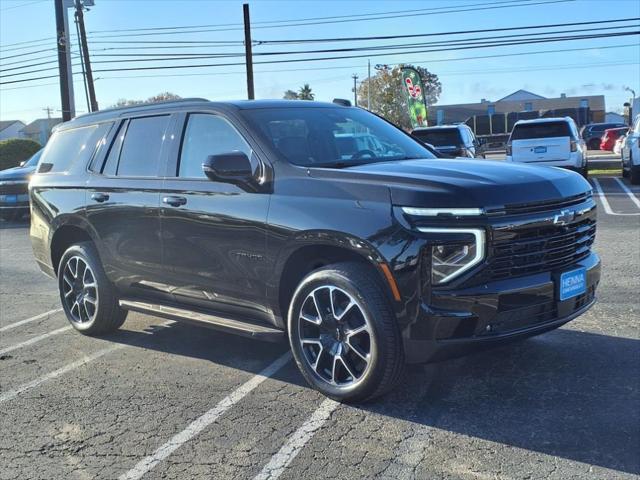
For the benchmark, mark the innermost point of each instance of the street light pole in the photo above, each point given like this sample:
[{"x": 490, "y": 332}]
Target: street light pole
[{"x": 355, "y": 89}]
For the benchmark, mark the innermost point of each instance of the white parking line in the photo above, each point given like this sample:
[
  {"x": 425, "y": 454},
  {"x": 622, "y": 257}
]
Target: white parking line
[
  {"x": 29, "y": 320},
  {"x": 56, "y": 373},
  {"x": 281, "y": 460},
  {"x": 605, "y": 202},
  {"x": 633, "y": 198},
  {"x": 202, "y": 422},
  {"x": 33, "y": 340}
]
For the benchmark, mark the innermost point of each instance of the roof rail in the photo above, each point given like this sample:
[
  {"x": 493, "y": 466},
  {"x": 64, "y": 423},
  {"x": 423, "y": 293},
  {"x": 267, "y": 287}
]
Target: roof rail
[{"x": 146, "y": 104}]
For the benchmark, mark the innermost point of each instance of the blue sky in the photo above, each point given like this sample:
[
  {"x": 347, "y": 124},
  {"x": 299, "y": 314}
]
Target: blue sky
[{"x": 594, "y": 70}]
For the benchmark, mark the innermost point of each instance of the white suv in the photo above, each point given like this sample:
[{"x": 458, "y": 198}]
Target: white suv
[
  {"x": 553, "y": 142},
  {"x": 631, "y": 153}
]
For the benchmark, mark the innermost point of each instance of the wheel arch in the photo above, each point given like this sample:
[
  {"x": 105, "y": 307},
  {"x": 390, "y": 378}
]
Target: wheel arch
[
  {"x": 304, "y": 257},
  {"x": 63, "y": 237}
]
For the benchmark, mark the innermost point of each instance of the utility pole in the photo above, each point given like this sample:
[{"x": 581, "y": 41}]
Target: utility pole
[
  {"x": 63, "y": 46},
  {"x": 85, "y": 55},
  {"x": 355, "y": 89},
  {"x": 48, "y": 110},
  {"x": 369, "y": 85},
  {"x": 247, "y": 51}
]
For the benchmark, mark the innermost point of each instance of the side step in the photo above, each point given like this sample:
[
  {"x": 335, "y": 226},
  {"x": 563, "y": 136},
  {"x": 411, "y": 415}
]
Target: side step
[{"x": 259, "y": 332}]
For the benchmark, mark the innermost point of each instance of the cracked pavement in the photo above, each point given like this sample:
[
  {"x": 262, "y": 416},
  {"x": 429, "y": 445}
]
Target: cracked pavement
[{"x": 564, "y": 405}]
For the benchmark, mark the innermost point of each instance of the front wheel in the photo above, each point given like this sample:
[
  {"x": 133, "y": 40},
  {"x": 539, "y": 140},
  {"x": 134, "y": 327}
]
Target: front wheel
[
  {"x": 88, "y": 298},
  {"x": 343, "y": 333}
]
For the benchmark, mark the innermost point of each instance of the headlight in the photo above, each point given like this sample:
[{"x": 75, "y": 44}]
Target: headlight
[{"x": 451, "y": 257}]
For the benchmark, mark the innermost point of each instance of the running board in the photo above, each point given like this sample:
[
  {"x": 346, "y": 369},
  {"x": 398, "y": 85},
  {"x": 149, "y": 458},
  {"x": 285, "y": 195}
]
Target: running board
[{"x": 260, "y": 332}]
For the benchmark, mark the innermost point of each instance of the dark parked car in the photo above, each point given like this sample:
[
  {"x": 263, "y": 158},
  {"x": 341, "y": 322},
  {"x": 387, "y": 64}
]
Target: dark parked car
[
  {"x": 14, "y": 188},
  {"x": 451, "y": 140},
  {"x": 592, "y": 133},
  {"x": 246, "y": 217}
]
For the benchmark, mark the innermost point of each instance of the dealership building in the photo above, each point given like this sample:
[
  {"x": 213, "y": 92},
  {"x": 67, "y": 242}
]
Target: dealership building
[{"x": 491, "y": 117}]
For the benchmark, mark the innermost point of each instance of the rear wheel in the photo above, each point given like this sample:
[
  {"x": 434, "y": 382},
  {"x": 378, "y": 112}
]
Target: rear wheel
[
  {"x": 87, "y": 296},
  {"x": 343, "y": 333}
]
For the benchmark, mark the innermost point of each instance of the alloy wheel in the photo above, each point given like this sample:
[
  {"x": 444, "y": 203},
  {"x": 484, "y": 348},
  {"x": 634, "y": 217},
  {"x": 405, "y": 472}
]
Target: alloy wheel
[
  {"x": 335, "y": 335},
  {"x": 79, "y": 290}
]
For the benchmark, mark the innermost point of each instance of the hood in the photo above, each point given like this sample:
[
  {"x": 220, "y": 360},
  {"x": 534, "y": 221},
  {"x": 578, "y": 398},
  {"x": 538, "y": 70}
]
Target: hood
[
  {"x": 461, "y": 183},
  {"x": 17, "y": 173}
]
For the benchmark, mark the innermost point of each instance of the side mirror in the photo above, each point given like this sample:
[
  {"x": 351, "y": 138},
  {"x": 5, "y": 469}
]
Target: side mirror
[{"x": 233, "y": 167}]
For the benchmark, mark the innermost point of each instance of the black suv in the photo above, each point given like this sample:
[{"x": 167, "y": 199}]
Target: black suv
[
  {"x": 592, "y": 134},
  {"x": 247, "y": 217}
]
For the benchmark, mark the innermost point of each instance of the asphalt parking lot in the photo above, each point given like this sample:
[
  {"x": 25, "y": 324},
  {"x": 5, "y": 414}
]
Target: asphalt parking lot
[{"x": 167, "y": 400}]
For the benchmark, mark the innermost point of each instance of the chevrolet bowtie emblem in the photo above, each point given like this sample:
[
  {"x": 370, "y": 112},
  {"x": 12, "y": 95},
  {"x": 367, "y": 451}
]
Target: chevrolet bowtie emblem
[{"x": 564, "y": 217}]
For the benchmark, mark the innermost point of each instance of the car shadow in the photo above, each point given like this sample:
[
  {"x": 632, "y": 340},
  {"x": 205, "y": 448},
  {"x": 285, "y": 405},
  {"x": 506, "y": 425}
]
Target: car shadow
[{"x": 567, "y": 393}]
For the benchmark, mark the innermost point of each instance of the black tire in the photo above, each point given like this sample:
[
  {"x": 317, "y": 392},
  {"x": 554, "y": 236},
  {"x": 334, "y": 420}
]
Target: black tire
[
  {"x": 625, "y": 173},
  {"x": 634, "y": 175},
  {"x": 370, "y": 302},
  {"x": 584, "y": 171},
  {"x": 106, "y": 316}
]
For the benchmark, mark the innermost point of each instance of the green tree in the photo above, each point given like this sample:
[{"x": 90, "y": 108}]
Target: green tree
[
  {"x": 305, "y": 93},
  {"x": 160, "y": 97},
  {"x": 387, "y": 96},
  {"x": 290, "y": 95},
  {"x": 15, "y": 150}
]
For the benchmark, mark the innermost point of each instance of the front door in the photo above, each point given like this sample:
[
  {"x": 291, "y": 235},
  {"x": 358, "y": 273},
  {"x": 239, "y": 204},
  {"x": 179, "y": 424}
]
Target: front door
[{"x": 213, "y": 232}]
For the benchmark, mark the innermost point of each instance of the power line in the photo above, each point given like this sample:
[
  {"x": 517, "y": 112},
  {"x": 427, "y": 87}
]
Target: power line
[
  {"x": 353, "y": 16},
  {"x": 21, "y": 5},
  {"x": 451, "y": 45},
  {"x": 482, "y": 57},
  {"x": 459, "y": 32}
]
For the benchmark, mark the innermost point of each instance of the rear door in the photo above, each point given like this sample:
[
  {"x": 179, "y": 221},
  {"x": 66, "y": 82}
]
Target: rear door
[
  {"x": 123, "y": 205},
  {"x": 541, "y": 142},
  {"x": 213, "y": 232}
]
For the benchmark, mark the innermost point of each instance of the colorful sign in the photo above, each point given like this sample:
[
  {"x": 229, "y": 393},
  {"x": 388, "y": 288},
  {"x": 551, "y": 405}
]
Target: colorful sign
[{"x": 414, "y": 92}]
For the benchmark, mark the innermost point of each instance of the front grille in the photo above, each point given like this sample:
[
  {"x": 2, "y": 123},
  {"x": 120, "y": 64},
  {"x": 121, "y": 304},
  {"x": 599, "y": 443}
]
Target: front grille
[
  {"x": 538, "y": 207},
  {"x": 13, "y": 188},
  {"x": 518, "y": 252}
]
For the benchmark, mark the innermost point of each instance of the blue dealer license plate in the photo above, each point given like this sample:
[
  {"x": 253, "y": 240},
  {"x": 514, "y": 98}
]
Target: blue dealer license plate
[
  {"x": 573, "y": 283},
  {"x": 540, "y": 150}
]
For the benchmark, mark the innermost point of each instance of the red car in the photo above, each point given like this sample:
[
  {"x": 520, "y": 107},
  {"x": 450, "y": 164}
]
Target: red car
[{"x": 610, "y": 136}]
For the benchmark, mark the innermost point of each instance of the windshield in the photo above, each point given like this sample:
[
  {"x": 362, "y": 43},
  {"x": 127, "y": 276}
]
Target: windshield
[
  {"x": 540, "y": 130},
  {"x": 441, "y": 137},
  {"x": 333, "y": 137},
  {"x": 33, "y": 161}
]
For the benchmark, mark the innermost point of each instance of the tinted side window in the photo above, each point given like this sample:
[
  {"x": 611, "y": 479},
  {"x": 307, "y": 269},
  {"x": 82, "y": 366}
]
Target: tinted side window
[
  {"x": 205, "y": 135},
  {"x": 69, "y": 146},
  {"x": 111, "y": 164},
  {"x": 140, "y": 153}
]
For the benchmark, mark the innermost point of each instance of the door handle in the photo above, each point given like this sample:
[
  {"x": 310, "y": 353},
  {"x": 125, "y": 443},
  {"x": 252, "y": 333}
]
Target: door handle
[
  {"x": 99, "y": 197},
  {"x": 174, "y": 201}
]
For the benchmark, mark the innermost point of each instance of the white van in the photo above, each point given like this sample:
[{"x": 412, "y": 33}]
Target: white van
[{"x": 553, "y": 142}]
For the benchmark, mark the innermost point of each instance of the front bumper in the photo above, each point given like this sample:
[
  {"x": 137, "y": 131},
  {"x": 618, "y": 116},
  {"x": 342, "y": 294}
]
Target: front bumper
[{"x": 459, "y": 321}]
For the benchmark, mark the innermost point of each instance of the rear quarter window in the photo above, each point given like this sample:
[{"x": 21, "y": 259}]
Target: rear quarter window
[
  {"x": 68, "y": 147},
  {"x": 541, "y": 130}
]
